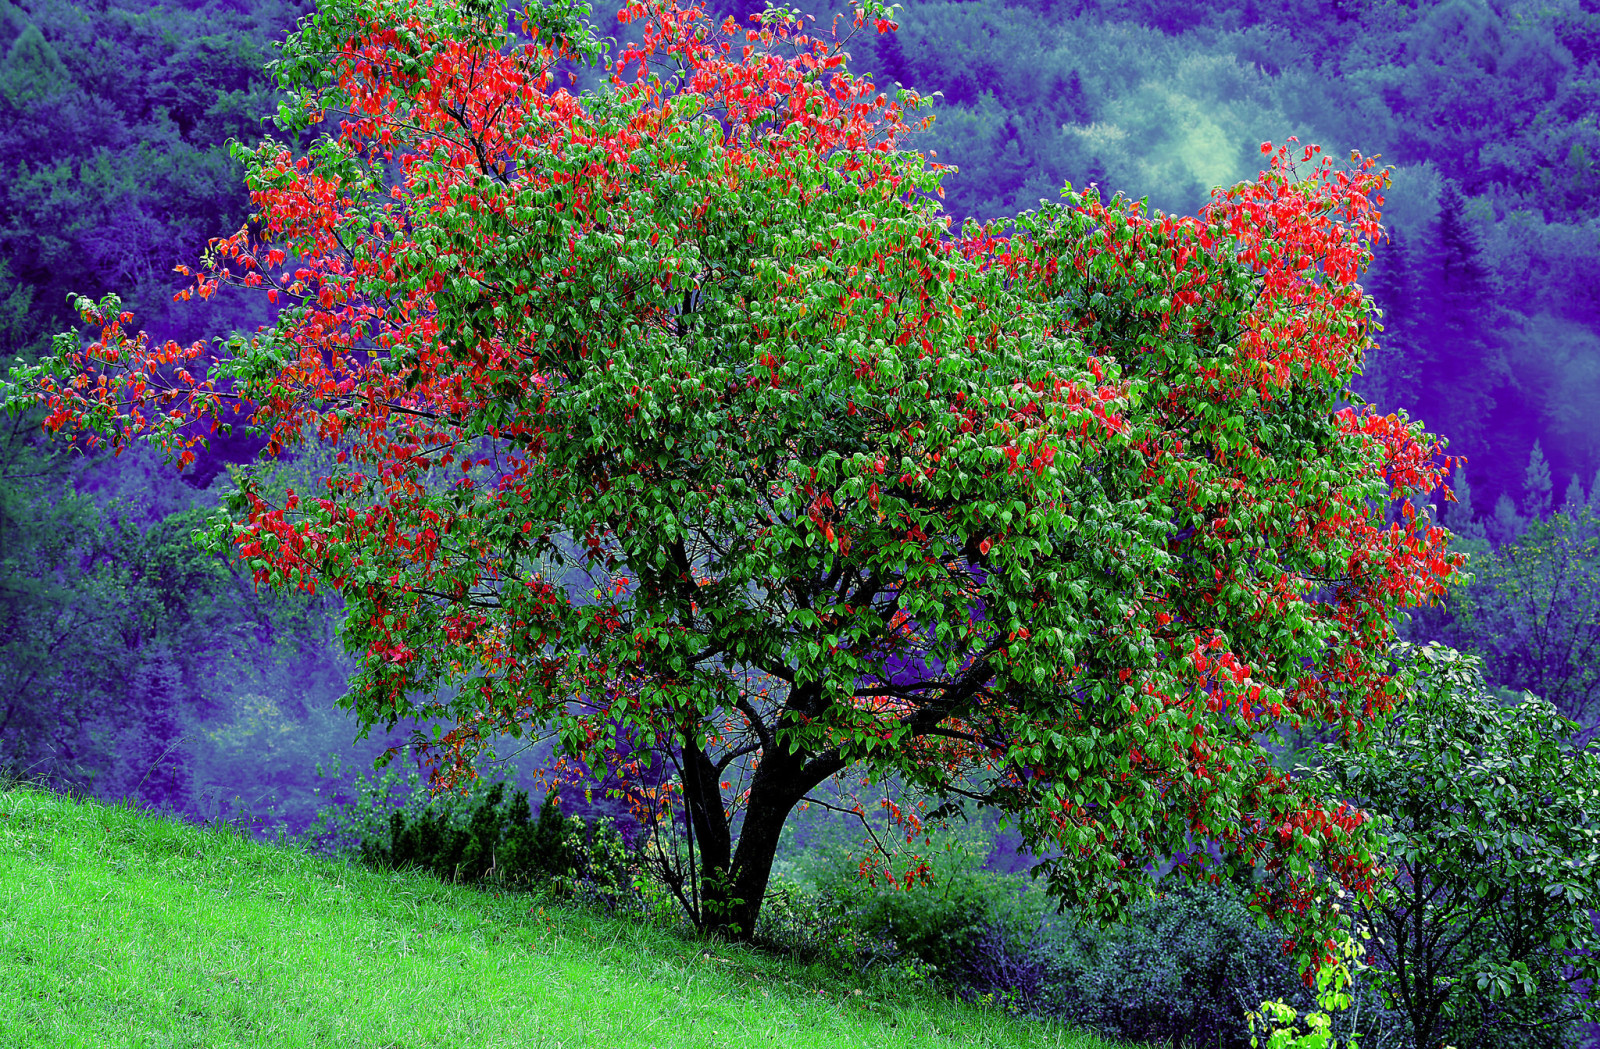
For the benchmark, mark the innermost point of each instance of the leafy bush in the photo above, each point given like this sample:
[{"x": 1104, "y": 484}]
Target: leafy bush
[
  {"x": 1492, "y": 819},
  {"x": 972, "y": 929},
  {"x": 940, "y": 924},
  {"x": 824, "y": 926},
  {"x": 1279, "y": 1021},
  {"x": 1184, "y": 969},
  {"x": 499, "y": 840}
]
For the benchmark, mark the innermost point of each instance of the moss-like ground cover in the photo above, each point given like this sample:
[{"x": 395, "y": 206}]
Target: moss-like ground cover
[{"x": 120, "y": 929}]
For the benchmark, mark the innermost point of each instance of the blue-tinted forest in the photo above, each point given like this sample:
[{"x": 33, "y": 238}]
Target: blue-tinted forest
[{"x": 134, "y": 665}]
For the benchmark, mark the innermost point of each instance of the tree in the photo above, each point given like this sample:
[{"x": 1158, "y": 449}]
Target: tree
[
  {"x": 1459, "y": 516},
  {"x": 1492, "y": 817},
  {"x": 674, "y": 416},
  {"x": 1532, "y": 612},
  {"x": 1506, "y": 524},
  {"x": 1537, "y": 487},
  {"x": 1391, "y": 375},
  {"x": 1573, "y": 500},
  {"x": 1460, "y": 364}
]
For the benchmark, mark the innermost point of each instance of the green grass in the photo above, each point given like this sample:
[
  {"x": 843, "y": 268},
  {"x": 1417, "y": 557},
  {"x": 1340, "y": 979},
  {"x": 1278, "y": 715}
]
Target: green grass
[{"x": 119, "y": 929}]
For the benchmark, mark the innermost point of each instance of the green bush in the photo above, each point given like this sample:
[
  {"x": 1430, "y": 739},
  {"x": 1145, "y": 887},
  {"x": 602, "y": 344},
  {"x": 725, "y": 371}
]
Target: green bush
[
  {"x": 498, "y": 841},
  {"x": 392, "y": 822},
  {"x": 939, "y": 924},
  {"x": 824, "y": 926},
  {"x": 963, "y": 926},
  {"x": 1489, "y": 876},
  {"x": 1184, "y": 969}
]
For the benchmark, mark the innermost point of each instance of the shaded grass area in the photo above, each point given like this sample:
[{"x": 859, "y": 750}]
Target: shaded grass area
[{"x": 119, "y": 929}]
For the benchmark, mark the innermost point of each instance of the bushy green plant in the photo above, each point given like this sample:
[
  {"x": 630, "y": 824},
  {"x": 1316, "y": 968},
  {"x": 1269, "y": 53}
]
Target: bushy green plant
[
  {"x": 824, "y": 926},
  {"x": 1490, "y": 874},
  {"x": 359, "y": 811},
  {"x": 1279, "y": 1020},
  {"x": 391, "y": 821},
  {"x": 941, "y": 923},
  {"x": 963, "y": 925},
  {"x": 1533, "y": 612},
  {"x": 498, "y": 840},
  {"x": 1184, "y": 968}
]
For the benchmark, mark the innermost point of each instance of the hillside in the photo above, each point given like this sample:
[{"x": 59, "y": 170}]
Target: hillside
[{"x": 119, "y": 929}]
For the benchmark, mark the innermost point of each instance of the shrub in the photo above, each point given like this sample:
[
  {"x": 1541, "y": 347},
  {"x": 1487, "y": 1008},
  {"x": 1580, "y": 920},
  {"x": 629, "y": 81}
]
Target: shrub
[
  {"x": 824, "y": 926},
  {"x": 1183, "y": 969},
  {"x": 392, "y": 822},
  {"x": 1492, "y": 823},
  {"x": 497, "y": 840},
  {"x": 1279, "y": 1021},
  {"x": 939, "y": 923},
  {"x": 1008, "y": 964}
]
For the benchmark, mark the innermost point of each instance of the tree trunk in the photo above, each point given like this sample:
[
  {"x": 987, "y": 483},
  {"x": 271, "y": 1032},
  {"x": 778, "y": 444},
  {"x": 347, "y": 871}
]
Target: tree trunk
[
  {"x": 707, "y": 826},
  {"x": 733, "y": 892}
]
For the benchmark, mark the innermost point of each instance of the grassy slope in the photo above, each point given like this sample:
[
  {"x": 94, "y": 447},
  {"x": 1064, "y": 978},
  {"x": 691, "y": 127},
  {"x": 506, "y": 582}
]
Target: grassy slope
[{"x": 117, "y": 929}]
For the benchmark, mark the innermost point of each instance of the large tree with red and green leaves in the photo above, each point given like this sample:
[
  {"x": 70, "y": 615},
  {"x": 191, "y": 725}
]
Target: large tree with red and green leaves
[{"x": 675, "y": 417}]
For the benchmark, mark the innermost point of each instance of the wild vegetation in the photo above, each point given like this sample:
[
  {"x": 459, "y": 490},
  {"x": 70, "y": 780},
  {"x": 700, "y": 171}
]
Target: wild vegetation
[{"x": 134, "y": 664}]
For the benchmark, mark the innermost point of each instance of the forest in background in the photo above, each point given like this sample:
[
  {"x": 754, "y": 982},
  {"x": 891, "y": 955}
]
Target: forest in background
[{"x": 132, "y": 664}]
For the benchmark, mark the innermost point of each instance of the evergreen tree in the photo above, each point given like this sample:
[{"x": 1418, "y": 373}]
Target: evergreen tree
[
  {"x": 1389, "y": 374},
  {"x": 31, "y": 69},
  {"x": 1067, "y": 99},
  {"x": 1457, "y": 366},
  {"x": 892, "y": 65},
  {"x": 1506, "y": 524},
  {"x": 1573, "y": 500},
  {"x": 1459, "y": 516},
  {"x": 1463, "y": 277},
  {"x": 1536, "y": 486}
]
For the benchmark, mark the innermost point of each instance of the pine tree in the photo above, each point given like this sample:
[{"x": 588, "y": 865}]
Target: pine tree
[
  {"x": 892, "y": 62},
  {"x": 1536, "y": 486},
  {"x": 1506, "y": 524},
  {"x": 31, "y": 69},
  {"x": 1389, "y": 374},
  {"x": 1459, "y": 369},
  {"x": 1462, "y": 275},
  {"x": 1459, "y": 516},
  {"x": 1573, "y": 500}
]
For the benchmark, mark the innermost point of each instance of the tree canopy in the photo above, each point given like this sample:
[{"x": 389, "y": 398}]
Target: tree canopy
[{"x": 674, "y": 418}]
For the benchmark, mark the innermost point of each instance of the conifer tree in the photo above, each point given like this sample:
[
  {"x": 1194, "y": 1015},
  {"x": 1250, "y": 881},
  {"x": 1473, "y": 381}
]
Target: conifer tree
[
  {"x": 1458, "y": 367},
  {"x": 1389, "y": 374},
  {"x": 1536, "y": 485},
  {"x": 1573, "y": 500},
  {"x": 1506, "y": 524},
  {"x": 1459, "y": 516}
]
